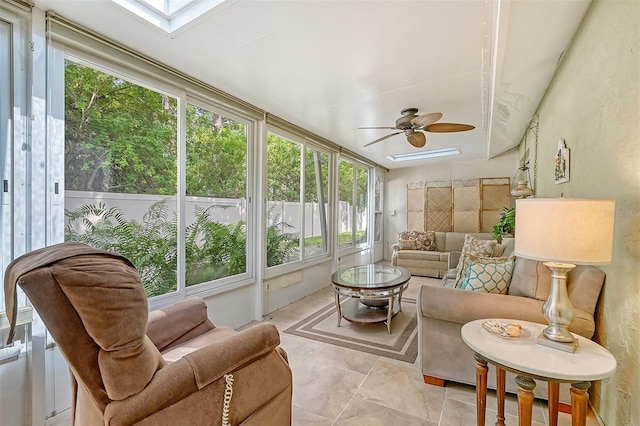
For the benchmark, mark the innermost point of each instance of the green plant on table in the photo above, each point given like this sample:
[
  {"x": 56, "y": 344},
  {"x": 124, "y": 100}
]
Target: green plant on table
[{"x": 506, "y": 225}]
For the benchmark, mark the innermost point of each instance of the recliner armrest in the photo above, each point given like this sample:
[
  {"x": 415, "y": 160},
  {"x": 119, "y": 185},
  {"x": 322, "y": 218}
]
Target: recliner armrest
[
  {"x": 200, "y": 368},
  {"x": 178, "y": 322}
]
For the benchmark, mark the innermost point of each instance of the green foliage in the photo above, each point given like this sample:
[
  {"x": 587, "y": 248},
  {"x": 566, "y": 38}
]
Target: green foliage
[
  {"x": 119, "y": 136},
  {"x": 506, "y": 225},
  {"x": 216, "y": 155},
  {"x": 150, "y": 245},
  {"x": 213, "y": 250}
]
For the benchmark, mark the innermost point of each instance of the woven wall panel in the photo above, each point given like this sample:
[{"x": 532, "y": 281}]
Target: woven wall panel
[
  {"x": 415, "y": 200},
  {"x": 489, "y": 219},
  {"x": 495, "y": 197},
  {"x": 438, "y": 221},
  {"x": 466, "y": 221},
  {"x": 439, "y": 199},
  {"x": 466, "y": 198},
  {"x": 415, "y": 221}
]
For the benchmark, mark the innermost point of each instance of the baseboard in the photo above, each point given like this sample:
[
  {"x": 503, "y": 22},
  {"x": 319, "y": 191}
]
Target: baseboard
[{"x": 435, "y": 381}]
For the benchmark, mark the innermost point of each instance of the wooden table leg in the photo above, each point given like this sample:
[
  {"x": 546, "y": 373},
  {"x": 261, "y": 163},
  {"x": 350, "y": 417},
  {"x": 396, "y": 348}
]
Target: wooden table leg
[
  {"x": 554, "y": 392},
  {"x": 579, "y": 398},
  {"x": 338, "y": 308},
  {"x": 481, "y": 388},
  {"x": 525, "y": 399},
  {"x": 501, "y": 378}
]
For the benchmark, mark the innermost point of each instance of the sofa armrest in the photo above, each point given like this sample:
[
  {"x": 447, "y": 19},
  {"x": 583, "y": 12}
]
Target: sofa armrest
[
  {"x": 394, "y": 253},
  {"x": 178, "y": 322},
  {"x": 462, "y": 306},
  {"x": 454, "y": 258},
  {"x": 197, "y": 370}
]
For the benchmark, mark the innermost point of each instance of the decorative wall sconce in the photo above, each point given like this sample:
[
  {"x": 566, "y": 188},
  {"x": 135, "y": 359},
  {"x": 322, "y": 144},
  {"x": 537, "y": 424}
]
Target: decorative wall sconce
[
  {"x": 521, "y": 188},
  {"x": 522, "y": 184}
]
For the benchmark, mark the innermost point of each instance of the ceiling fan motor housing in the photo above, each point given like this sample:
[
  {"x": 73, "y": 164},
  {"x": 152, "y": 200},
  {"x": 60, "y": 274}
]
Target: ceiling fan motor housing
[{"x": 404, "y": 122}]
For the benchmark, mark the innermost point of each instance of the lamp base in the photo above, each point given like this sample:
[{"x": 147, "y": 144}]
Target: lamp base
[{"x": 563, "y": 346}]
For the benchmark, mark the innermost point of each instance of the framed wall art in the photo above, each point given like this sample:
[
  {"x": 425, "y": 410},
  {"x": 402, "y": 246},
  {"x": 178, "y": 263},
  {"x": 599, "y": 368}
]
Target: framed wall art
[{"x": 561, "y": 168}]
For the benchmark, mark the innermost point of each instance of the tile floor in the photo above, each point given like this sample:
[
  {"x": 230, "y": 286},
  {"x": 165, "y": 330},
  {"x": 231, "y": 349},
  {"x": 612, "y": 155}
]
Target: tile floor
[{"x": 338, "y": 386}]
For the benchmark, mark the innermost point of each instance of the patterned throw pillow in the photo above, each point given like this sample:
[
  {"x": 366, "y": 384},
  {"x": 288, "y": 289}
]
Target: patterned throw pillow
[
  {"x": 427, "y": 241},
  {"x": 423, "y": 240},
  {"x": 407, "y": 244},
  {"x": 472, "y": 247},
  {"x": 490, "y": 276}
]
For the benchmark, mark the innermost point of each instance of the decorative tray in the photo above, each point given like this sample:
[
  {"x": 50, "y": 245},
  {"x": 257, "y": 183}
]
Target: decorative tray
[{"x": 505, "y": 329}]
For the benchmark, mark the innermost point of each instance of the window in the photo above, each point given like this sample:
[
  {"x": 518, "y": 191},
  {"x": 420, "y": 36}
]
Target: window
[
  {"x": 216, "y": 202},
  {"x": 13, "y": 170},
  {"x": 121, "y": 172},
  {"x": 353, "y": 210},
  {"x": 297, "y": 185},
  {"x": 169, "y": 15},
  {"x": 378, "y": 188}
]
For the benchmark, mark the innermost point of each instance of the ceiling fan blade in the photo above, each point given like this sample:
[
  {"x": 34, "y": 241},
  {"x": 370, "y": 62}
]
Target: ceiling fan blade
[
  {"x": 417, "y": 139},
  {"x": 426, "y": 119},
  {"x": 390, "y": 128},
  {"x": 383, "y": 138},
  {"x": 448, "y": 127}
]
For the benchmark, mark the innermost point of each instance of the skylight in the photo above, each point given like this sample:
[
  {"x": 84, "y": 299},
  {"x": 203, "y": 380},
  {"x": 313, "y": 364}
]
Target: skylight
[
  {"x": 425, "y": 154},
  {"x": 169, "y": 15}
]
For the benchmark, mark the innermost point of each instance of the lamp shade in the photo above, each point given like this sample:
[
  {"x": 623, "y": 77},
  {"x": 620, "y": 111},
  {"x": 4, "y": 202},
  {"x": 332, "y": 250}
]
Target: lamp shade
[{"x": 566, "y": 230}]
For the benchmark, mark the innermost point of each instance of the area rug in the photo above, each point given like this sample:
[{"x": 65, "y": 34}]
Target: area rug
[{"x": 401, "y": 344}]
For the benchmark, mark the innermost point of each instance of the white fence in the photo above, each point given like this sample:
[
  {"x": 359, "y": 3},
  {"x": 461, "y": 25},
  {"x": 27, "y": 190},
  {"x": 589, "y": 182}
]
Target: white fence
[{"x": 227, "y": 210}]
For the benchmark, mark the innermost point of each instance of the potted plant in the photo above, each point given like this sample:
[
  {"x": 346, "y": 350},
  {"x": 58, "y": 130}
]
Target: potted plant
[{"x": 506, "y": 226}]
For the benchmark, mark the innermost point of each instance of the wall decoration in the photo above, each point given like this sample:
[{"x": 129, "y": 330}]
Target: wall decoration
[{"x": 561, "y": 169}]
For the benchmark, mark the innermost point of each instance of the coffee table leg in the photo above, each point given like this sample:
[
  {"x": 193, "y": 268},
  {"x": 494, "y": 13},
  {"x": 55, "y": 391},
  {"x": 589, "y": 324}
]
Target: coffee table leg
[
  {"x": 501, "y": 378},
  {"x": 525, "y": 399},
  {"x": 579, "y": 397},
  {"x": 338, "y": 308},
  {"x": 481, "y": 388},
  {"x": 554, "y": 392},
  {"x": 390, "y": 314}
]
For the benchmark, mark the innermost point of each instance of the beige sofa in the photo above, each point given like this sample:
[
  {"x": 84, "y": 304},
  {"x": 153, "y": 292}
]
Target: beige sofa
[
  {"x": 444, "y": 309},
  {"x": 433, "y": 263}
]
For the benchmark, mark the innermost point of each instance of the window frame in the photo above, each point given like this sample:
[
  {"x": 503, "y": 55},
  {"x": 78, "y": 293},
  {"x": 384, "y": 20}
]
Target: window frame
[
  {"x": 209, "y": 101},
  {"x": 303, "y": 261},
  {"x": 354, "y": 247}
]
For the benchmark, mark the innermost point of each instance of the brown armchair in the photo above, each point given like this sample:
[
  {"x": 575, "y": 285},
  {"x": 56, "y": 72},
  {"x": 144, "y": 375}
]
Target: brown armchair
[{"x": 171, "y": 366}]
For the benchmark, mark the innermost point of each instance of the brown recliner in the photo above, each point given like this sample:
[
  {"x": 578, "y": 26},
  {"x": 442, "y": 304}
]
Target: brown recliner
[{"x": 128, "y": 366}]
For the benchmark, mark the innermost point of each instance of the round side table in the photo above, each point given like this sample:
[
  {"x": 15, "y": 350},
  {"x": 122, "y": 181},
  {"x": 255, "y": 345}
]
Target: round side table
[{"x": 531, "y": 361}]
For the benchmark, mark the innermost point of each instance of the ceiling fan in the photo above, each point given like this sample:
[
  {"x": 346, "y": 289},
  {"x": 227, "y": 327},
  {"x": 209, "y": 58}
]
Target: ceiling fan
[{"x": 413, "y": 125}]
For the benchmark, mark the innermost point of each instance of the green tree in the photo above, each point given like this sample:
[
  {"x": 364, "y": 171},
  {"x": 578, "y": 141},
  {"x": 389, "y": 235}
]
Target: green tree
[
  {"x": 119, "y": 136},
  {"x": 216, "y": 155}
]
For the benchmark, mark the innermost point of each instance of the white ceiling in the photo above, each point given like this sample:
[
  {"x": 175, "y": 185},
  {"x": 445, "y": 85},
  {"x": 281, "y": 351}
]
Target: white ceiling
[{"x": 333, "y": 66}]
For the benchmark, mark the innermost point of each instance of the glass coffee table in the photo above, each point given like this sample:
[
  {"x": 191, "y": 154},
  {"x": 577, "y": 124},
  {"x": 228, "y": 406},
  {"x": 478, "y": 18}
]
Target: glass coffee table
[{"x": 373, "y": 290}]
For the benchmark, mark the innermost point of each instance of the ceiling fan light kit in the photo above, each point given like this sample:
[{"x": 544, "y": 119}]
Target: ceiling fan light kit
[{"x": 412, "y": 125}]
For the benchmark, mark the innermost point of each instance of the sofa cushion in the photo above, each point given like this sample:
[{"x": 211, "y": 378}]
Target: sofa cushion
[
  {"x": 421, "y": 255},
  {"x": 530, "y": 279},
  {"x": 407, "y": 244},
  {"x": 490, "y": 275},
  {"x": 475, "y": 247}
]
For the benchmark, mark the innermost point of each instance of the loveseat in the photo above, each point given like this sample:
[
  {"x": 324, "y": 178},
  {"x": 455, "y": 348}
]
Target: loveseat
[
  {"x": 444, "y": 308},
  {"x": 428, "y": 255}
]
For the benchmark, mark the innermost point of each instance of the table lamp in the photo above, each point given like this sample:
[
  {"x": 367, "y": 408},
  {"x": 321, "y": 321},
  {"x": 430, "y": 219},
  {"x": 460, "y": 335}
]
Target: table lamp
[{"x": 563, "y": 232}]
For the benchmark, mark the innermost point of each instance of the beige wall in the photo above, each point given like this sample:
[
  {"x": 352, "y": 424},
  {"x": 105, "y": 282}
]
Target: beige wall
[
  {"x": 594, "y": 104},
  {"x": 397, "y": 179}
]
